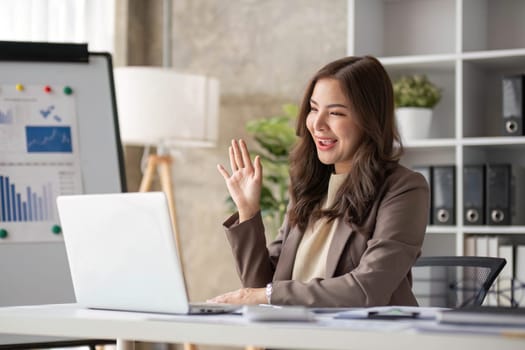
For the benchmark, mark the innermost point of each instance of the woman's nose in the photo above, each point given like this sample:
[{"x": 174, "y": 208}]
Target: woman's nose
[{"x": 320, "y": 121}]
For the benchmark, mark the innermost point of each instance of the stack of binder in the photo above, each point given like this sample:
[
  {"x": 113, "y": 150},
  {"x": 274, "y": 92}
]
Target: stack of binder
[{"x": 493, "y": 194}]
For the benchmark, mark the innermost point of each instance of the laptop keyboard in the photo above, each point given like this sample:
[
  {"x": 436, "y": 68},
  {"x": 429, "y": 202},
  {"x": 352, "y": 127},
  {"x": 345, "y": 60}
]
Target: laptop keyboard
[{"x": 210, "y": 308}]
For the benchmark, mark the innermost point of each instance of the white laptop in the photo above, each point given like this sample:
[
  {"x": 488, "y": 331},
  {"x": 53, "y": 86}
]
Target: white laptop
[{"x": 122, "y": 254}]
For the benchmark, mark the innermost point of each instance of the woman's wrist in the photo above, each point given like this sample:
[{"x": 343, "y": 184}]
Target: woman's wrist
[{"x": 247, "y": 214}]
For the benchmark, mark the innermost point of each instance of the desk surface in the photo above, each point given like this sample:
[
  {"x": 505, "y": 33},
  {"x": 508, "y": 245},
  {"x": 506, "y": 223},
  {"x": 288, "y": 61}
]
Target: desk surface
[{"x": 70, "y": 320}]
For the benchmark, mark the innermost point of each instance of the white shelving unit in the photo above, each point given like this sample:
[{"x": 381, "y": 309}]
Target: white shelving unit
[{"x": 464, "y": 47}]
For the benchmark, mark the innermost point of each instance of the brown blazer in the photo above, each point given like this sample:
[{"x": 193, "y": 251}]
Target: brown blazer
[{"x": 367, "y": 265}]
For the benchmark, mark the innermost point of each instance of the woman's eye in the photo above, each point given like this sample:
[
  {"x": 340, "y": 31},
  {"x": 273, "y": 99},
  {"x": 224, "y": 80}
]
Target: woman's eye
[
  {"x": 337, "y": 114},
  {"x": 313, "y": 109}
]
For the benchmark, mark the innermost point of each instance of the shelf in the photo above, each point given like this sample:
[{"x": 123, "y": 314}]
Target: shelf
[
  {"x": 465, "y": 47},
  {"x": 396, "y": 28},
  {"x": 496, "y": 59},
  {"x": 498, "y": 154},
  {"x": 492, "y": 25},
  {"x": 429, "y": 62},
  {"x": 425, "y": 156},
  {"x": 426, "y": 143},
  {"x": 482, "y": 91},
  {"x": 494, "y": 229},
  {"x": 434, "y": 229},
  {"x": 494, "y": 141}
]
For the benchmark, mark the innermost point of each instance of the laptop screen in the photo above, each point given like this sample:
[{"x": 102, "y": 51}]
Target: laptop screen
[{"x": 122, "y": 252}]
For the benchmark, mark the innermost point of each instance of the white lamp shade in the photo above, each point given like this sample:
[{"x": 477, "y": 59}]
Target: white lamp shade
[{"x": 162, "y": 107}]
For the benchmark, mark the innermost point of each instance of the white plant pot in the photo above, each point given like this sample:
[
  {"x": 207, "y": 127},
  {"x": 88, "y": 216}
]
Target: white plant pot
[{"x": 413, "y": 123}]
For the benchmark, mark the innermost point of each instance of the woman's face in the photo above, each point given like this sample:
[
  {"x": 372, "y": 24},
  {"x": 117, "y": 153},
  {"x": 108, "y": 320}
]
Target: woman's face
[{"x": 332, "y": 125}]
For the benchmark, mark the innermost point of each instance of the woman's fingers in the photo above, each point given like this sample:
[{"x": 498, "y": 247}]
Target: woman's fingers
[
  {"x": 233, "y": 164},
  {"x": 258, "y": 167},
  {"x": 240, "y": 159},
  {"x": 221, "y": 299},
  {"x": 241, "y": 296},
  {"x": 223, "y": 172},
  {"x": 237, "y": 154},
  {"x": 245, "y": 155}
]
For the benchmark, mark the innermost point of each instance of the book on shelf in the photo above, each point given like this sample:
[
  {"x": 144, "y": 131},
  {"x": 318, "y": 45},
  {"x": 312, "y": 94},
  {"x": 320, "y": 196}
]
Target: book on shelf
[
  {"x": 470, "y": 246},
  {"x": 509, "y": 288},
  {"x": 519, "y": 274},
  {"x": 504, "y": 281},
  {"x": 492, "y": 251},
  {"x": 483, "y": 245}
]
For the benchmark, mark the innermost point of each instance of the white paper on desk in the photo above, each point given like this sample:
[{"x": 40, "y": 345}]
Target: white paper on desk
[
  {"x": 367, "y": 325},
  {"x": 433, "y": 327},
  {"x": 427, "y": 313}
]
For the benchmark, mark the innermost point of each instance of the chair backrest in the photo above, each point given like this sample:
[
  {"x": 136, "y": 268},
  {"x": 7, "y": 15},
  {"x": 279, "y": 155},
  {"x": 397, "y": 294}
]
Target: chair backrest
[{"x": 454, "y": 281}]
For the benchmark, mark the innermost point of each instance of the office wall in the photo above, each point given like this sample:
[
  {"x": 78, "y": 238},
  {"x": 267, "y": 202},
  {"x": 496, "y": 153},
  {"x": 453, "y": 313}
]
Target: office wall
[{"x": 263, "y": 52}]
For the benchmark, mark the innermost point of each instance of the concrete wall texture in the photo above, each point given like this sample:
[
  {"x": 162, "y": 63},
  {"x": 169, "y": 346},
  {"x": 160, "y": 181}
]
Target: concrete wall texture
[{"x": 263, "y": 52}]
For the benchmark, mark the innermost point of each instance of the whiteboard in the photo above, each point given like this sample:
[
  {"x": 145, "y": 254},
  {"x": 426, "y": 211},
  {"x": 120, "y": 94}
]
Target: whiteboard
[{"x": 37, "y": 272}]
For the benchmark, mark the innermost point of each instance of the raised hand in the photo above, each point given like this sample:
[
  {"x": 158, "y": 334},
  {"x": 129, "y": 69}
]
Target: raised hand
[{"x": 245, "y": 181}]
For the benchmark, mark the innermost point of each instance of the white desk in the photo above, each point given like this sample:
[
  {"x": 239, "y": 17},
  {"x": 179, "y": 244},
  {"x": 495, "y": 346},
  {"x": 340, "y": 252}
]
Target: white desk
[{"x": 69, "y": 320}]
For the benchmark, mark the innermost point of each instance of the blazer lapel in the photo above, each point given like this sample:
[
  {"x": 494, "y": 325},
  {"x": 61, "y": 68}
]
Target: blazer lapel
[
  {"x": 284, "y": 268},
  {"x": 342, "y": 233}
]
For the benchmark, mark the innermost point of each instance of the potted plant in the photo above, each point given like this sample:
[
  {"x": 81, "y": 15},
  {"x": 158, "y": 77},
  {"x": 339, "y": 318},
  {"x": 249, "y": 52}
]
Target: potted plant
[{"x": 415, "y": 97}]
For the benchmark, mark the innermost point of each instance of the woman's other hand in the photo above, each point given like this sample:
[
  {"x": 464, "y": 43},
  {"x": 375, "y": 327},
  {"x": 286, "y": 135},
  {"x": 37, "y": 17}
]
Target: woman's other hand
[
  {"x": 243, "y": 296},
  {"x": 245, "y": 181}
]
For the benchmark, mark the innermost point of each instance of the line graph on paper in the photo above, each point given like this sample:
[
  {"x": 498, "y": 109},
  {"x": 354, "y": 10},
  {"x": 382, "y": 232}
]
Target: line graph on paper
[
  {"x": 48, "y": 139},
  {"x": 36, "y": 124}
]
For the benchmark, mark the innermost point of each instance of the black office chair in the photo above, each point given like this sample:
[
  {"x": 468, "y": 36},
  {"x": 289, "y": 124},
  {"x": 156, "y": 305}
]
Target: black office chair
[{"x": 454, "y": 281}]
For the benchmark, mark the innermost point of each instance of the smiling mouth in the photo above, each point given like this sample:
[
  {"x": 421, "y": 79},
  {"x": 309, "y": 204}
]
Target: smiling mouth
[{"x": 325, "y": 144}]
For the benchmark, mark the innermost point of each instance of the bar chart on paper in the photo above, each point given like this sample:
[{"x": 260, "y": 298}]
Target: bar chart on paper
[
  {"x": 25, "y": 204},
  {"x": 28, "y": 193}
]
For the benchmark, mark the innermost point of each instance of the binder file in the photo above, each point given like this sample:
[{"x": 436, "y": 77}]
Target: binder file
[
  {"x": 498, "y": 189},
  {"x": 513, "y": 104},
  {"x": 474, "y": 195},
  {"x": 517, "y": 196},
  {"x": 426, "y": 171},
  {"x": 443, "y": 194}
]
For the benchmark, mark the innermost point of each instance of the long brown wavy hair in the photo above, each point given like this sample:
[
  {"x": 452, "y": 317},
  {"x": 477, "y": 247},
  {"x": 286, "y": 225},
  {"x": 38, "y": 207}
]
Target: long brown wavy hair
[{"x": 368, "y": 87}]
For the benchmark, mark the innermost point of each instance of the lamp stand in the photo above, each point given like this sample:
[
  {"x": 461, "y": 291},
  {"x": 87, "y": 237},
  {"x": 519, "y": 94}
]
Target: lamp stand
[{"x": 162, "y": 163}]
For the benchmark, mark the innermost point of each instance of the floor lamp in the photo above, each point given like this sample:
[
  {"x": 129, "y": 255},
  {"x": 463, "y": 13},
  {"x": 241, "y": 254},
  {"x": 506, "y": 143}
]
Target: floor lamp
[{"x": 169, "y": 110}]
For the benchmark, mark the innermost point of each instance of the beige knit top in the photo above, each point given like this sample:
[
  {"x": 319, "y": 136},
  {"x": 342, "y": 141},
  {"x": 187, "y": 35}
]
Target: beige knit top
[{"x": 310, "y": 259}]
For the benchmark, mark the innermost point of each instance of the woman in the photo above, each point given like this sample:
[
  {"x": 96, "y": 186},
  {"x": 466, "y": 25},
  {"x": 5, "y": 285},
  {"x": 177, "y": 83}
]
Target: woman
[{"x": 356, "y": 218}]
